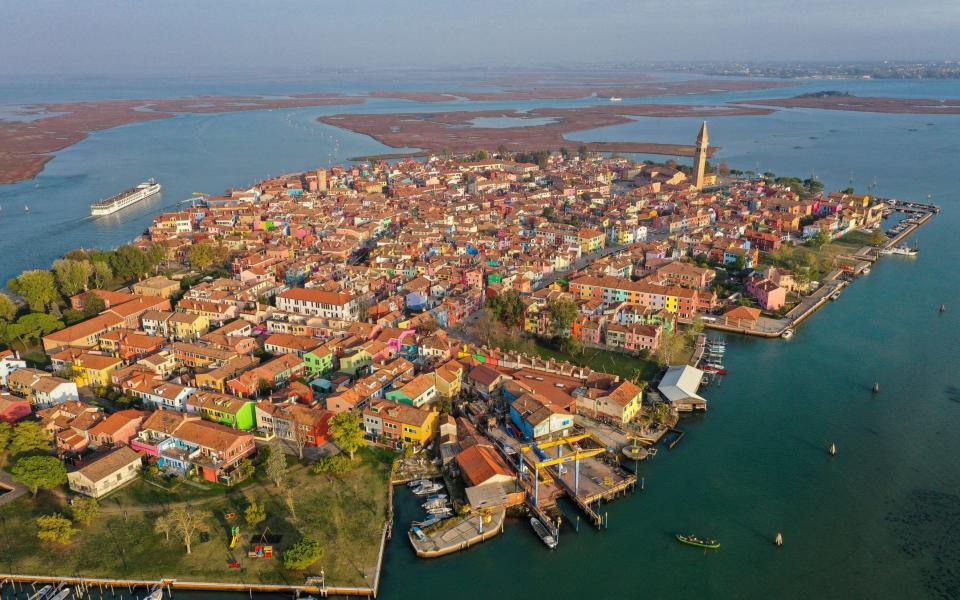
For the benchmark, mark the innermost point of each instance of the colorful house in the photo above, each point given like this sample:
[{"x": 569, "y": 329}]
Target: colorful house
[{"x": 232, "y": 411}]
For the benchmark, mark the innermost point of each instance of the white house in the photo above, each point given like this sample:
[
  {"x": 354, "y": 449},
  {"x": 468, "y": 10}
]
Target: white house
[
  {"x": 9, "y": 362},
  {"x": 105, "y": 473},
  {"x": 320, "y": 303}
]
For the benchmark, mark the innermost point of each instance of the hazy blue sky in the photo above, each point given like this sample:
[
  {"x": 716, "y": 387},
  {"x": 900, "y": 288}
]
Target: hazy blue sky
[{"x": 171, "y": 36}]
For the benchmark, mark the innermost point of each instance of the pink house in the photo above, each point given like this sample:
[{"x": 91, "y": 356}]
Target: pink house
[
  {"x": 642, "y": 337},
  {"x": 12, "y": 408},
  {"x": 117, "y": 429},
  {"x": 768, "y": 294}
]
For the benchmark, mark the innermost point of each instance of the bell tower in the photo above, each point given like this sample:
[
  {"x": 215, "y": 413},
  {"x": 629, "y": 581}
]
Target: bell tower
[{"x": 700, "y": 156}]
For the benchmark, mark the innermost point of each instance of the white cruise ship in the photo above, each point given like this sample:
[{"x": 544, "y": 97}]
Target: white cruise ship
[{"x": 124, "y": 199}]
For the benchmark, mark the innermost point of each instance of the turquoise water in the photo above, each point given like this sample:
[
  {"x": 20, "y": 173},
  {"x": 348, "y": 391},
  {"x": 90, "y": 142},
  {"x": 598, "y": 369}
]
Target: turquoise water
[{"x": 881, "y": 519}]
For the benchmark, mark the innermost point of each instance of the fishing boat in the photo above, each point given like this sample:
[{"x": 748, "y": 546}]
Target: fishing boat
[
  {"x": 443, "y": 513},
  {"x": 715, "y": 368},
  {"x": 434, "y": 504},
  {"x": 430, "y": 520},
  {"x": 427, "y": 489},
  {"x": 155, "y": 594},
  {"x": 693, "y": 540},
  {"x": 45, "y": 592},
  {"x": 418, "y": 482},
  {"x": 419, "y": 533},
  {"x": 543, "y": 533}
]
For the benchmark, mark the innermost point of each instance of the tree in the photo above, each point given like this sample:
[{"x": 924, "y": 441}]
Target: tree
[
  {"x": 671, "y": 344},
  {"x": 276, "y": 465},
  {"x": 93, "y": 305},
  {"x": 264, "y": 387},
  {"x": 31, "y": 327},
  {"x": 85, "y": 510},
  {"x": 155, "y": 255},
  {"x": 821, "y": 239},
  {"x": 563, "y": 312},
  {"x": 55, "y": 528},
  {"x": 508, "y": 308},
  {"x": 347, "y": 431},
  {"x": 29, "y": 436},
  {"x": 300, "y": 435},
  {"x": 878, "y": 238},
  {"x": 101, "y": 275},
  {"x": 187, "y": 521},
  {"x": 73, "y": 276},
  {"x": 38, "y": 288},
  {"x": 336, "y": 465},
  {"x": 8, "y": 308},
  {"x": 37, "y": 472},
  {"x": 205, "y": 255},
  {"x": 244, "y": 470},
  {"x": 255, "y": 514},
  {"x": 6, "y": 436},
  {"x": 582, "y": 152},
  {"x": 129, "y": 262},
  {"x": 302, "y": 554},
  {"x": 163, "y": 524}
]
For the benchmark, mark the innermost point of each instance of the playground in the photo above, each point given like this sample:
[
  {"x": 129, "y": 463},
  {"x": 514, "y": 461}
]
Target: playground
[{"x": 344, "y": 514}]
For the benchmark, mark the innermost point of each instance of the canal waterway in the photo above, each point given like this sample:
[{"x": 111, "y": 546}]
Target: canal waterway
[{"x": 881, "y": 519}]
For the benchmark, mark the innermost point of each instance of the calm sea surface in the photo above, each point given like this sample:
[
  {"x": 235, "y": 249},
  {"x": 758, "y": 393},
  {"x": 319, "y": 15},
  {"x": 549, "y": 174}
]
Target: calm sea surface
[{"x": 879, "y": 520}]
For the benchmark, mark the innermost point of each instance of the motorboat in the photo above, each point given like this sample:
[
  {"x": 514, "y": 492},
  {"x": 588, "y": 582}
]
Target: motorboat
[
  {"x": 545, "y": 535},
  {"x": 428, "y": 488}
]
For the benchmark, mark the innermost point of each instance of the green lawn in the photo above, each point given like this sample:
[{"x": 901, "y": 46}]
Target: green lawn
[
  {"x": 345, "y": 515},
  {"x": 624, "y": 365}
]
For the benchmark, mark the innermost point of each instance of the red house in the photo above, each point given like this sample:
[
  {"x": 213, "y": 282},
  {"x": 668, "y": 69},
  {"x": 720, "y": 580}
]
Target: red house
[
  {"x": 117, "y": 429},
  {"x": 12, "y": 408}
]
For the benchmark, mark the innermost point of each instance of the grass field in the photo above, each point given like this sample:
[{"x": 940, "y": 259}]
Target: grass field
[
  {"x": 344, "y": 514},
  {"x": 624, "y": 365}
]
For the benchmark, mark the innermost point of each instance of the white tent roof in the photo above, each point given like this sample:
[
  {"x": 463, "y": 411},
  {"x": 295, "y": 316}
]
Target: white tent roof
[{"x": 681, "y": 382}]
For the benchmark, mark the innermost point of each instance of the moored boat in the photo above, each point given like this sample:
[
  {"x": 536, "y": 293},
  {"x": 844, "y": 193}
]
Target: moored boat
[
  {"x": 428, "y": 489},
  {"x": 693, "y": 540},
  {"x": 543, "y": 533}
]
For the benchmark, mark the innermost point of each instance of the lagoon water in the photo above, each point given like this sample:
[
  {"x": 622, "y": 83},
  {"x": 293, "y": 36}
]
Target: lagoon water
[{"x": 879, "y": 520}]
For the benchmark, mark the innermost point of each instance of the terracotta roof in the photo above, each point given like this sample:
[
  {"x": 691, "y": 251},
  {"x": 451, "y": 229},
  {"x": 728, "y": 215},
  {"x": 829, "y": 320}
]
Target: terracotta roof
[
  {"x": 481, "y": 463},
  {"x": 107, "y": 464}
]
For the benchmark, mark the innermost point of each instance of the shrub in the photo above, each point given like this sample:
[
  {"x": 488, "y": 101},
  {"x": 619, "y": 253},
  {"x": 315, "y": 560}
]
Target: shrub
[
  {"x": 302, "y": 554},
  {"x": 336, "y": 465}
]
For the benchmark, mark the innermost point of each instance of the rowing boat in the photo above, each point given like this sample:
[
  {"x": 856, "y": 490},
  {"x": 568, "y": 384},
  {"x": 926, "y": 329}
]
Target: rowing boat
[{"x": 693, "y": 540}]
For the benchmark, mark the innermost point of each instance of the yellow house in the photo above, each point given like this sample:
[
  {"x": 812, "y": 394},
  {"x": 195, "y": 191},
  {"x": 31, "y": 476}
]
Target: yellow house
[
  {"x": 590, "y": 240},
  {"x": 188, "y": 326},
  {"x": 449, "y": 378},
  {"x": 94, "y": 369}
]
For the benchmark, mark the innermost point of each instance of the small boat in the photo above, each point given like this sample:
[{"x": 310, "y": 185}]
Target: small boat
[
  {"x": 616, "y": 99},
  {"x": 437, "y": 497},
  {"x": 434, "y": 504},
  {"x": 427, "y": 489},
  {"x": 543, "y": 533},
  {"x": 418, "y": 482},
  {"x": 45, "y": 592},
  {"x": 63, "y": 594},
  {"x": 418, "y": 533},
  {"x": 693, "y": 540},
  {"x": 430, "y": 520},
  {"x": 943, "y": 308},
  {"x": 787, "y": 334},
  {"x": 440, "y": 511},
  {"x": 833, "y": 450},
  {"x": 155, "y": 594},
  {"x": 26, "y": 208}
]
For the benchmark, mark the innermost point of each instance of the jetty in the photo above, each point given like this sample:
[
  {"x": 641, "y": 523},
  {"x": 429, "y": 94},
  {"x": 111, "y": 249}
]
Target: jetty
[{"x": 458, "y": 533}]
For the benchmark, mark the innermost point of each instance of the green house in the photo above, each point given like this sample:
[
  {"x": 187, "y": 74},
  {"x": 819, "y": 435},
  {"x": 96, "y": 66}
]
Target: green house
[
  {"x": 356, "y": 361},
  {"x": 319, "y": 361},
  {"x": 237, "y": 413}
]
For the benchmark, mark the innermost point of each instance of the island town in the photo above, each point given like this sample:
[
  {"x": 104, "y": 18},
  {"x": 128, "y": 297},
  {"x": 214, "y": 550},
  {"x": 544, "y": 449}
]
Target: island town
[{"x": 246, "y": 386}]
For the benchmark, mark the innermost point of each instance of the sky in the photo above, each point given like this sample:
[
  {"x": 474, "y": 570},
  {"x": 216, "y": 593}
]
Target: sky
[{"x": 104, "y": 37}]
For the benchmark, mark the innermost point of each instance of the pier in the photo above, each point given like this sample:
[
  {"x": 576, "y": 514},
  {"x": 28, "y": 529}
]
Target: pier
[
  {"x": 458, "y": 533},
  {"x": 772, "y": 328}
]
